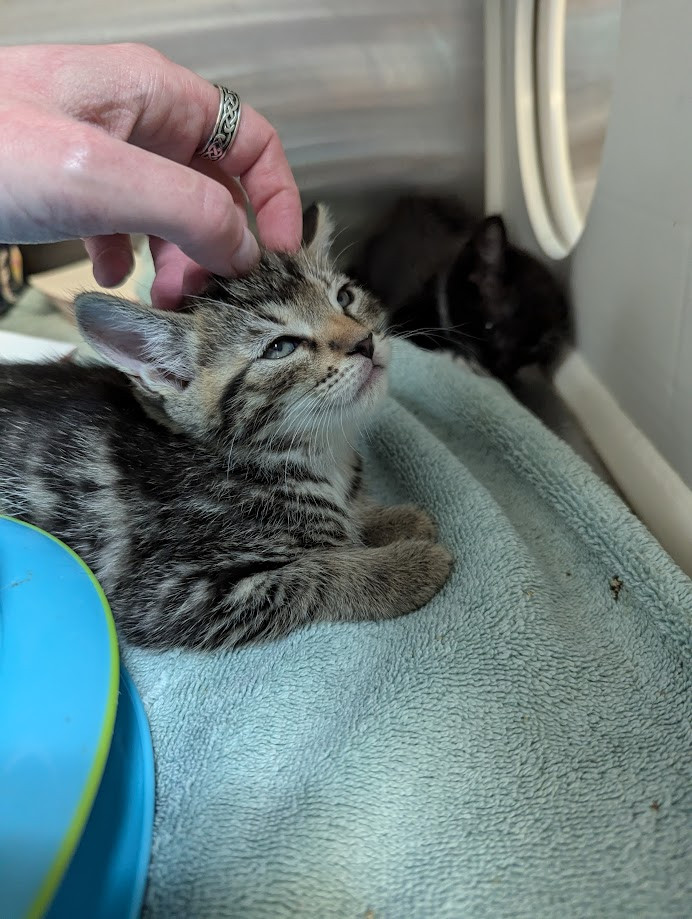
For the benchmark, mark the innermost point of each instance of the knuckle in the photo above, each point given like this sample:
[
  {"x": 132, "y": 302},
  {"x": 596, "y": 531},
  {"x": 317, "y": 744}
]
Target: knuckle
[
  {"x": 262, "y": 125},
  {"x": 79, "y": 165},
  {"x": 141, "y": 53},
  {"x": 218, "y": 215},
  {"x": 143, "y": 71},
  {"x": 79, "y": 153}
]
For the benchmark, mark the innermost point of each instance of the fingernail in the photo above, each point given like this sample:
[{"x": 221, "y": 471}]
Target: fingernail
[
  {"x": 247, "y": 254},
  {"x": 112, "y": 266}
]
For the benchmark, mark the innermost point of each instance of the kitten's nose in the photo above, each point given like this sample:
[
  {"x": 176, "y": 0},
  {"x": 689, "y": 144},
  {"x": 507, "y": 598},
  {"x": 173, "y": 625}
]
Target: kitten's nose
[{"x": 365, "y": 346}]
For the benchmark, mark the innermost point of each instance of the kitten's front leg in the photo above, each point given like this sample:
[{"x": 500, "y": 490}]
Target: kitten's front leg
[
  {"x": 381, "y": 526},
  {"x": 216, "y": 608},
  {"x": 345, "y": 584}
]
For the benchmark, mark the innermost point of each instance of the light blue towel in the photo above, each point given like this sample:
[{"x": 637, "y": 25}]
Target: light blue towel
[{"x": 520, "y": 747}]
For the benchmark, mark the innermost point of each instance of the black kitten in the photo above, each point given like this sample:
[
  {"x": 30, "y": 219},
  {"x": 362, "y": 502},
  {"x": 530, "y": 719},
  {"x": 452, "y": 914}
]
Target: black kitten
[{"x": 454, "y": 283}]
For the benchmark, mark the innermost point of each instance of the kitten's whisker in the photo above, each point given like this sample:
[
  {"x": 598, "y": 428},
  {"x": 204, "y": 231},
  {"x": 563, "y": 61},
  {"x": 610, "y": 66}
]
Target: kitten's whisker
[
  {"x": 392, "y": 328},
  {"x": 443, "y": 340},
  {"x": 426, "y": 330},
  {"x": 345, "y": 249},
  {"x": 290, "y": 446},
  {"x": 326, "y": 442},
  {"x": 333, "y": 240},
  {"x": 230, "y": 455},
  {"x": 343, "y": 431},
  {"x": 294, "y": 416}
]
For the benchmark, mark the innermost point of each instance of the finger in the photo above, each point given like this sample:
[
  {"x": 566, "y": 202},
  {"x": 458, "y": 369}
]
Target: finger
[
  {"x": 112, "y": 258},
  {"x": 166, "y": 109},
  {"x": 177, "y": 276},
  {"x": 109, "y": 187},
  {"x": 258, "y": 158},
  {"x": 214, "y": 170}
]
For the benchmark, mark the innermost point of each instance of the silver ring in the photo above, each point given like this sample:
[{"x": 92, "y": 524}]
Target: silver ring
[{"x": 226, "y": 127}]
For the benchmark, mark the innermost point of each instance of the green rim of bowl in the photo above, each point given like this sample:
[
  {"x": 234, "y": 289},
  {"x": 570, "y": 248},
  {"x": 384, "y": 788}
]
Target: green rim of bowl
[{"x": 55, "y": 873}]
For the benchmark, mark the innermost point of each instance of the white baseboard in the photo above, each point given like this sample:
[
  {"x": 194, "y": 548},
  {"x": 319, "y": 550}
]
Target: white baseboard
[{"x": 653, "y": 488}]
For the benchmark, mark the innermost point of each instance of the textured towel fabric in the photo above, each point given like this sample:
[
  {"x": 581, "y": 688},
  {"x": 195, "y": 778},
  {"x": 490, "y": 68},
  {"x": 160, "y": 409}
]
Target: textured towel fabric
[{"x": 520, "y": 747}]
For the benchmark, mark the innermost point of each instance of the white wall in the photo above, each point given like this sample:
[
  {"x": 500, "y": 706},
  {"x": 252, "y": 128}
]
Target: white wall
[
  {"x": 365, "y": 96},
  {"x": 631, "y": 273},
  {"x": 630, "y": 278}
]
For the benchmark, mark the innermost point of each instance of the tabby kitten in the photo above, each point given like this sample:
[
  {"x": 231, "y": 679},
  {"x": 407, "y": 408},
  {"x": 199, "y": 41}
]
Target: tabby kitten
[
  {"x": 207, "y": 476},
  {"x": 455, "y": 283}
]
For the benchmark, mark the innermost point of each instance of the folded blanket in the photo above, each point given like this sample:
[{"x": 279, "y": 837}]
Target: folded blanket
[{"x": 520, "y": 747}]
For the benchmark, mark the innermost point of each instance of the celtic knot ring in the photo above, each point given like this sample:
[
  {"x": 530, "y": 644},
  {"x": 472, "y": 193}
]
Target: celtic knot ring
[{"x": 227, "y": 121}]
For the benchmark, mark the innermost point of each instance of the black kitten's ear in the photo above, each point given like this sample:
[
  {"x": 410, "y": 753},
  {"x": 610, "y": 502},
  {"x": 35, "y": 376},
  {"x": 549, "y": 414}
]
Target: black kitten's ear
[
  {"x": 318, "y": 229},
  {"x": 155, "y": 347},
  {"x": 490, "y": 242}
]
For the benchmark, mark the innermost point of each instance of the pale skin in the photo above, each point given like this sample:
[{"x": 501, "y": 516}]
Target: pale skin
[{"x": 98, "y": 142}]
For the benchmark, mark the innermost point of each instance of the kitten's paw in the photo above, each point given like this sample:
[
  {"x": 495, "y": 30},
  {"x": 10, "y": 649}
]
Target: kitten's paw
[
  {"x": 385, "y": 525},
  {"x": 414, "y": 523},
  {"x": 419, "y": 571}
]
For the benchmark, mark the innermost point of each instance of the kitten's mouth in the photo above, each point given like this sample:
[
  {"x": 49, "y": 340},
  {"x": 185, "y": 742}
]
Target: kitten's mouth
[{"x": 373, "y": 377}]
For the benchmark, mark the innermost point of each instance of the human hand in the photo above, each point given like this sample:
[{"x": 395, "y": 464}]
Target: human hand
[{"x": 99, "y": 142}]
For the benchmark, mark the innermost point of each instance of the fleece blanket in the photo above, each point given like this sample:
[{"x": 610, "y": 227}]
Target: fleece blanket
[{"x": 520, "y": 747}]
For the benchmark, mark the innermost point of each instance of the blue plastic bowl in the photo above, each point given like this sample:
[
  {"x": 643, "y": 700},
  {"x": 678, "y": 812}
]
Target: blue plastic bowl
[{"x": 76, "y": 761}]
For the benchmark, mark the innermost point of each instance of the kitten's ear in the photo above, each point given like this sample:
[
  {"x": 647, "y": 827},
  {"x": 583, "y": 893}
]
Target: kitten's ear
[
  {"x": 490, "y": 243},
  {"x": 153, "y": 346},
  {"x": 318, "y": 228}
]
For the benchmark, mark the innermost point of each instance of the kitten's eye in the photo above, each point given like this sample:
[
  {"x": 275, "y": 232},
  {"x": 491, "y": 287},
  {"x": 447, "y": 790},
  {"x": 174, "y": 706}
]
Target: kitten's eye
[
  {"x": 281, "y": 347},
  {"x": 344, "y": 296}
]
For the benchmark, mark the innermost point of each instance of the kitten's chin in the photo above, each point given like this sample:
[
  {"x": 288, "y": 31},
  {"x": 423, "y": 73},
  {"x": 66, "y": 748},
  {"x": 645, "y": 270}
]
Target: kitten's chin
[
  {"x": 371, "y": 389},
  {"x": 375, "y": 380}
]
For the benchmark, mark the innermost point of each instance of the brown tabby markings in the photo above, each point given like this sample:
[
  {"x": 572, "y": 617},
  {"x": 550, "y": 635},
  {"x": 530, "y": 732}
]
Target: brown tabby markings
[{"x": 213, "y": 490}]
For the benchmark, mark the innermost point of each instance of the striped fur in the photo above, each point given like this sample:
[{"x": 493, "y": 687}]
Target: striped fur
[{"x": 215, "y": 492}]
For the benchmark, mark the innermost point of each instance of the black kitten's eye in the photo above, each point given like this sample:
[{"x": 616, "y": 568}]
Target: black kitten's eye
[
  {"x": 281, "y": 347},
  {"x": 344, "y": 296}
]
